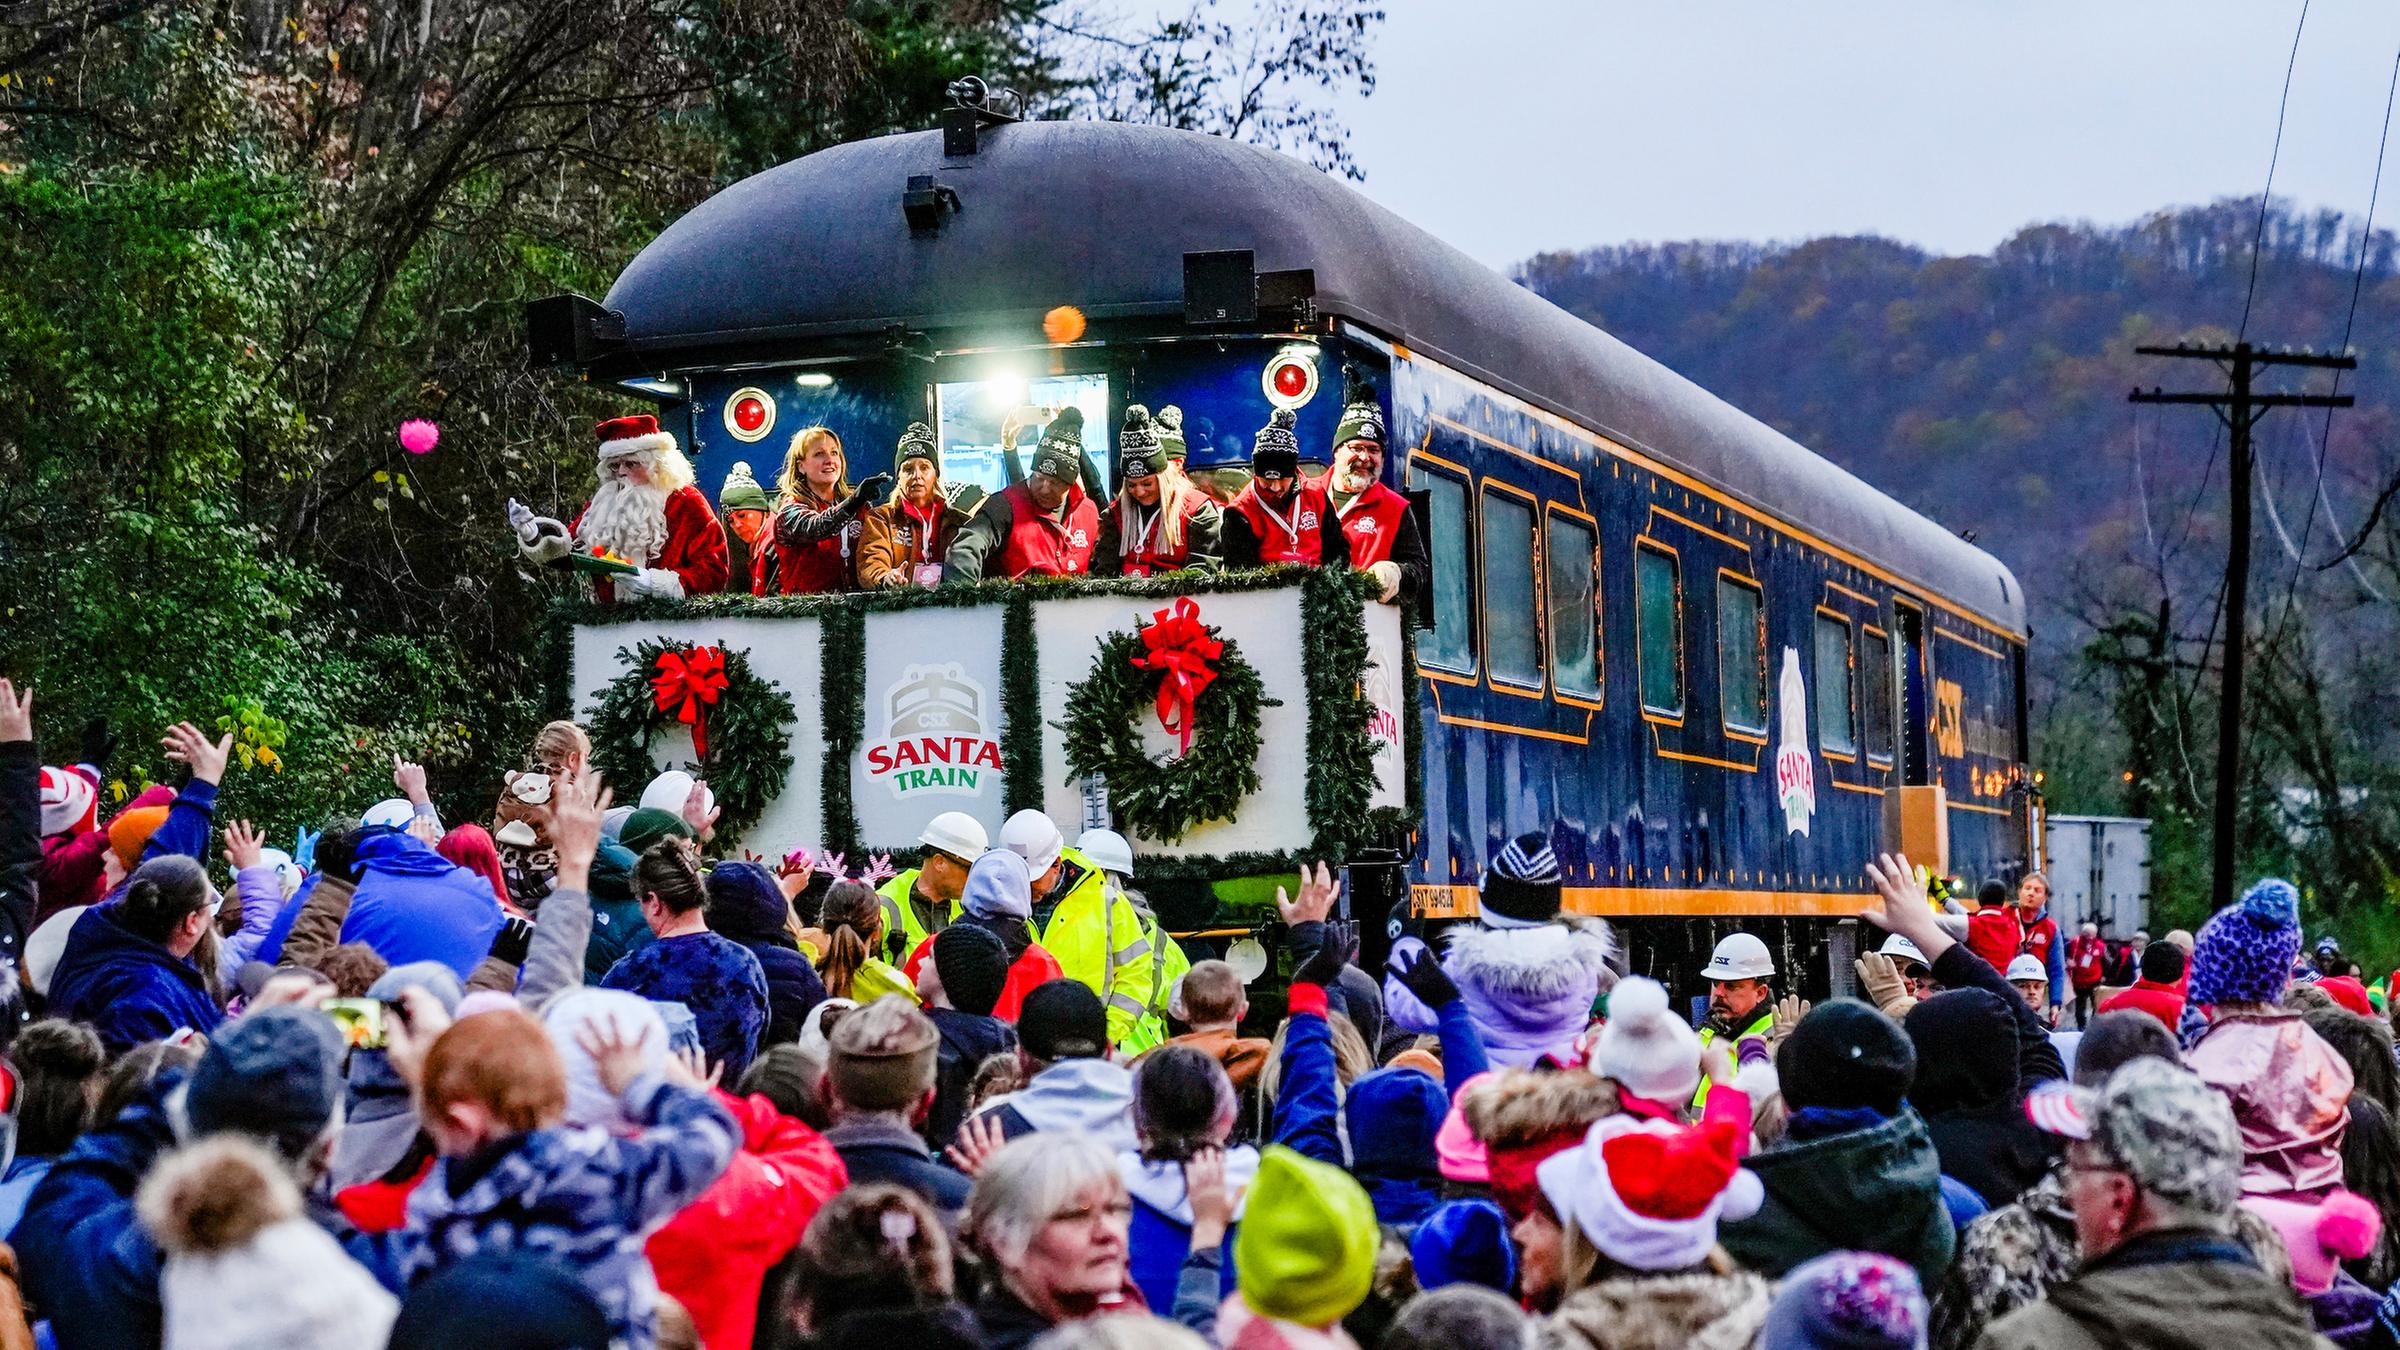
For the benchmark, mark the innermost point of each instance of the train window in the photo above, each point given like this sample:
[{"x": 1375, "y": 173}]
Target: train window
[
  {"x": 1875, "y": 692},
  {"x": 1835, "y": 729},
  {"x": 1658, "y": 585},
  {"x": 1451, "y": 643},
  {"x": 1511, "y": 606},
  {"x": 972, "y": 412},
  {"x": 1574, "y": 617},
  {"x": 1741, "y": 654}
]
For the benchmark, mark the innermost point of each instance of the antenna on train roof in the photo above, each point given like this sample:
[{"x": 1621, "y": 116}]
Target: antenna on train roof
[{"x": 971, "y": 110}]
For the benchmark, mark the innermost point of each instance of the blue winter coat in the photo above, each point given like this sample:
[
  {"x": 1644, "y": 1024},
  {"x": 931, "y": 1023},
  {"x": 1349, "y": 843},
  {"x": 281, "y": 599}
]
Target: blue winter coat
[
  {"x": 413, "y": 904},
  {"x": 1392, "y": 1116},
  {"x": 745, "y": 904},
  {"x": 129, "y": 989},
  {"x": 86, "y": 1260},
  {"x": 715, "y": 977},
  {"x": 1161, "y": 1235}
]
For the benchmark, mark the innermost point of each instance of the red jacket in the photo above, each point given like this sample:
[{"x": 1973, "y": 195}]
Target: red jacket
[
  {"x": 2087, "y": 963},
  {"x": 695, "y": 547},
  {"x": 1371, "y": 520},
  {"x": 1042, "y": 545},
  {"x": 1291, "y": 536},
  {"x": 1033, "y": 968},
  {"x": 713, "y": 1255},
  {"x": 2162, "y": 1001},
  {"x": 1996, "y": 934}
]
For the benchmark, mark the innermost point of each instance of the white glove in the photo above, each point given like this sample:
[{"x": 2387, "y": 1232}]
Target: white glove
[
  {"x": 655, "y": 583},
  {"x": 541, "y": 539},
  {"x": 1388, "y": 573}
]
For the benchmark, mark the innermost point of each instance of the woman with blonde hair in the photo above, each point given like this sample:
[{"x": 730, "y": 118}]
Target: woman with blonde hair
[
  {"x": 817, "y": 517},
  {"x": 1159, "y": 522}
]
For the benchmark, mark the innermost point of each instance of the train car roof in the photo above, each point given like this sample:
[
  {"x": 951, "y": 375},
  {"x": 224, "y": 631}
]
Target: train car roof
[{"x": 1100, "y": 214}]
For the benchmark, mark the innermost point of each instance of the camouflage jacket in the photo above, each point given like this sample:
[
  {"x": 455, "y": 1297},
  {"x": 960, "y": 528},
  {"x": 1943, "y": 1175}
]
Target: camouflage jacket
[{"x": 2015, "y": 1254}]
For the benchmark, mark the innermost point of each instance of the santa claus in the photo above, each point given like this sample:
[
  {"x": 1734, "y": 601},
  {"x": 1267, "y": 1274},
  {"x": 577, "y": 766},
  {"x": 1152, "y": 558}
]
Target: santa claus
[{"x": 646, "y": 512}]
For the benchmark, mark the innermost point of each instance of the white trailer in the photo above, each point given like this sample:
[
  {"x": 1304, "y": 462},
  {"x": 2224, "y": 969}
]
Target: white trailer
[{"x": 2099, "y": 869}]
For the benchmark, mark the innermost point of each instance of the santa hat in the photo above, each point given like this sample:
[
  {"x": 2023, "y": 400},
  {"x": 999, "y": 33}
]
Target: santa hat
[
  {"x": 637, "y": 434},
  {"x": 70, "y": 802},
  {"x": 1645, "y": 1047},
  {"x": 1649, "y": 1194}
]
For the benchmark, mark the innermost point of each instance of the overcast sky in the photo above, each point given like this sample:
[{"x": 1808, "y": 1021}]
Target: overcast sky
[{"x": 1509, "y": 127}]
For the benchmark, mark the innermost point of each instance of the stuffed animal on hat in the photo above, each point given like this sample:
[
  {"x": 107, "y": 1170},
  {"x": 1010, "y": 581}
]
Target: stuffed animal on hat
[{"x": 522, "y": 819}]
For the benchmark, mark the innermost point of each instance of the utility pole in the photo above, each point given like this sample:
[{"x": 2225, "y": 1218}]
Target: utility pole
[{"x": 2239, "y": 409}]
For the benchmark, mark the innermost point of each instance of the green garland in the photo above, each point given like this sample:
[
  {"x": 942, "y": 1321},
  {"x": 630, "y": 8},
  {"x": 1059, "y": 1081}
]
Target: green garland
[
  {"x": 1020, "y": 689},
  {"x": 749, "y": 728},
  {"x": 842, "y": 657},
  {"x": 1166, "y": 800},
  {"x": 1340, "y": 762}
]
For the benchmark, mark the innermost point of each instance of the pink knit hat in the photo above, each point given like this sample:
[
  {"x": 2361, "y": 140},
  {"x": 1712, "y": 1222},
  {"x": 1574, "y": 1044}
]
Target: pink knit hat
[{"x": 2320, "y": 1236}]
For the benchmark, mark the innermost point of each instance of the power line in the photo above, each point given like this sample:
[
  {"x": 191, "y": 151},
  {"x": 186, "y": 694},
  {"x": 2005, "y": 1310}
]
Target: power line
[{"x": 2267, "y": 195}]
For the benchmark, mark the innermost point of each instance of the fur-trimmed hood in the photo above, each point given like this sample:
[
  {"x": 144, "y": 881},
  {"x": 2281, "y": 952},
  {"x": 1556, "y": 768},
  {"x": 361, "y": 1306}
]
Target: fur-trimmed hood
[
  {"x": 1530, "y": 990},
  {"x": 1669, "y": 1312},
  {"x": 1513, "y": 1108},
  {"x": 215, "y": 1196}
]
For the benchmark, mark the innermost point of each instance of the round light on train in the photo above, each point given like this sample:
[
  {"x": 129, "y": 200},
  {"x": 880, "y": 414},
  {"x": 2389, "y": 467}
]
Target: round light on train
[
  {"x": 750, "y": 414},
  {"x": 1289, "y": 380}
]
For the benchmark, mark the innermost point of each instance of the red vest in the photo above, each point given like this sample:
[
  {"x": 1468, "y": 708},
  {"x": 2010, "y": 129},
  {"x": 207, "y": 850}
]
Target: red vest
[
  {"x": 813, "y": 569},
  {"x": 1150, "y": 552},
  {"x": 1038, "y": 545},
  {"x": 1371, "y": 520},
  {"x": 1290, "y": 535}
]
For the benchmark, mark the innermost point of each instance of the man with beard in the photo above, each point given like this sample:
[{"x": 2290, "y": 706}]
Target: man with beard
[
  {"x": 1279, "y": 517},
  {"x": 646, "y": 511},
  {"x": 1383, "y": 535}
]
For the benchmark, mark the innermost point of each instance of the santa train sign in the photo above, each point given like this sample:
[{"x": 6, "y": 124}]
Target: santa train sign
[{"x": 960, "y": 699}]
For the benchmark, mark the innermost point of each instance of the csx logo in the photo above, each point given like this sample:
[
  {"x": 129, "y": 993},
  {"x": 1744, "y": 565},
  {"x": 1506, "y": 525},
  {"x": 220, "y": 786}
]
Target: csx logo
[{"x": 1949, "y": 718}]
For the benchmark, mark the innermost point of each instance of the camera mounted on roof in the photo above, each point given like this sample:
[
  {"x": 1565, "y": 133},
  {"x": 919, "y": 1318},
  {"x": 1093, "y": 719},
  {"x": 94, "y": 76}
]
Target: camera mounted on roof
[{"x": 971, "y": 110}]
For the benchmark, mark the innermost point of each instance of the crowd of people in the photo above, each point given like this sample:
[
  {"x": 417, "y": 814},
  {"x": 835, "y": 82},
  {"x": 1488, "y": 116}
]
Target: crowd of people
[
  {"x": 818, "y": 531},
  {"x": 583, "y": 1077}
]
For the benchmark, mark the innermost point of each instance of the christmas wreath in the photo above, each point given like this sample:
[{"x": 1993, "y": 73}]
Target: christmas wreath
[
  {"x": 740, "y": 724},
  {"x": 1204, "y": 694}
]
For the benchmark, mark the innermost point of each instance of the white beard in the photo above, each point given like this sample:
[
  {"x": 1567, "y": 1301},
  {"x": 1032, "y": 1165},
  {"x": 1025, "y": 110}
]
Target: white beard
[{"x": 627, "y": 519}]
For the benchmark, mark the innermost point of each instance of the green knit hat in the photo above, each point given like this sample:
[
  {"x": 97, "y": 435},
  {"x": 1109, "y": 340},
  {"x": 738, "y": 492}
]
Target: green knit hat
[
  {"x": 918, "y": 443},
  {"x": 649, "y": 825},
  {"x": 1362, "y": 419},
  {"x": 1305, "y": 1249},
  {"x": 1138, "y": 444},
  {"x": 1170, "y": 433},
  {"x": 742, "y": 492},
  {"x": 1060, "y": 455}
]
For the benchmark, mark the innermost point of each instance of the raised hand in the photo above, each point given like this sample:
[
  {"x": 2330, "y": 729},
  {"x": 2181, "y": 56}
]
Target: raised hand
[
  {"x": 575, "y": 812},
  {"x": 700, "y": 810},
  {"x": 689, "y": 1068},
  {"x": 1212, "y": 1203},
  {"x": 1318, "y": 891},
  {"x": 243, "y": 846},
  {"x": 409, "y": 778},
  {"x": 187, "y": 744},
  {"x": 1424, "y": 977},
  {"x": 16, "y": 713},
  {"x": 420, "y": 1022},
  {"x": 1903, "y": 908},
  {"x": 978, "y": 1139},
  {"x": 616, "y": 1057}
]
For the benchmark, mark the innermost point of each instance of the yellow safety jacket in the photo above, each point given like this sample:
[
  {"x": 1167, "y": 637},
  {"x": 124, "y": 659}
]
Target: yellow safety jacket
[
  {"x": 1101, "y": 940},
  {"x": 899, "y": 916},
  {"x": 1759, "y": 1026}
]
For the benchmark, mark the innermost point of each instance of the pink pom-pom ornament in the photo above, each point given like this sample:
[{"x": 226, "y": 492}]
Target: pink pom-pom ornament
[
  {"x": 418, "y": 436},
  {"x": 2348, "y": 1225}
]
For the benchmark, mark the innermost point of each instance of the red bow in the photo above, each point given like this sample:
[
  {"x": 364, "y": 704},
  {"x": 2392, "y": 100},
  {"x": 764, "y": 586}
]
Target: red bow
[
  {"x": 687, "y": 684},
  {"x": 1178, "y": 646}
]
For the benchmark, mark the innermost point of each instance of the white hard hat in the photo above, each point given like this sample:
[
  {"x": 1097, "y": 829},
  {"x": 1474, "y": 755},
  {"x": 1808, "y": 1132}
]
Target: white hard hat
[
  {"x": 1901, "y": 949},
  {"x": 957, "y": 834},
  {"x": 47, "y": 944},
  {"x": 2027, "y": 967},
  {"x": 1030, "y": 835},
  {"x": 392, "y": 813},
  {"x": 1740, "y": 956},
  {"x": 1107, "y": 850}
]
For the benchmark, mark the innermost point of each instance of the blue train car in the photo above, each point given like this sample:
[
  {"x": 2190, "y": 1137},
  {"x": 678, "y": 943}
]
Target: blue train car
[{"x": 1719, "y": 669}]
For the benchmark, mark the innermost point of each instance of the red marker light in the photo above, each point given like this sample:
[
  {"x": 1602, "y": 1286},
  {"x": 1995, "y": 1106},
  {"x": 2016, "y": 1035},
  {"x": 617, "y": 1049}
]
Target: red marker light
[
  {"x": 750, "y": 414},
  {"x": 1290, "y": 380}
]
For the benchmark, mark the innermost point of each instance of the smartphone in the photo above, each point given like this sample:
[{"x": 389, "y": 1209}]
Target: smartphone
[{"x": 361, "y": 1021}]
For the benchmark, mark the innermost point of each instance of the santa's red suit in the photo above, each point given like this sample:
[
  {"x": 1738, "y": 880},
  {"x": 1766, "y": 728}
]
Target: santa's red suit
[{"x": 662, "y": 523}]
